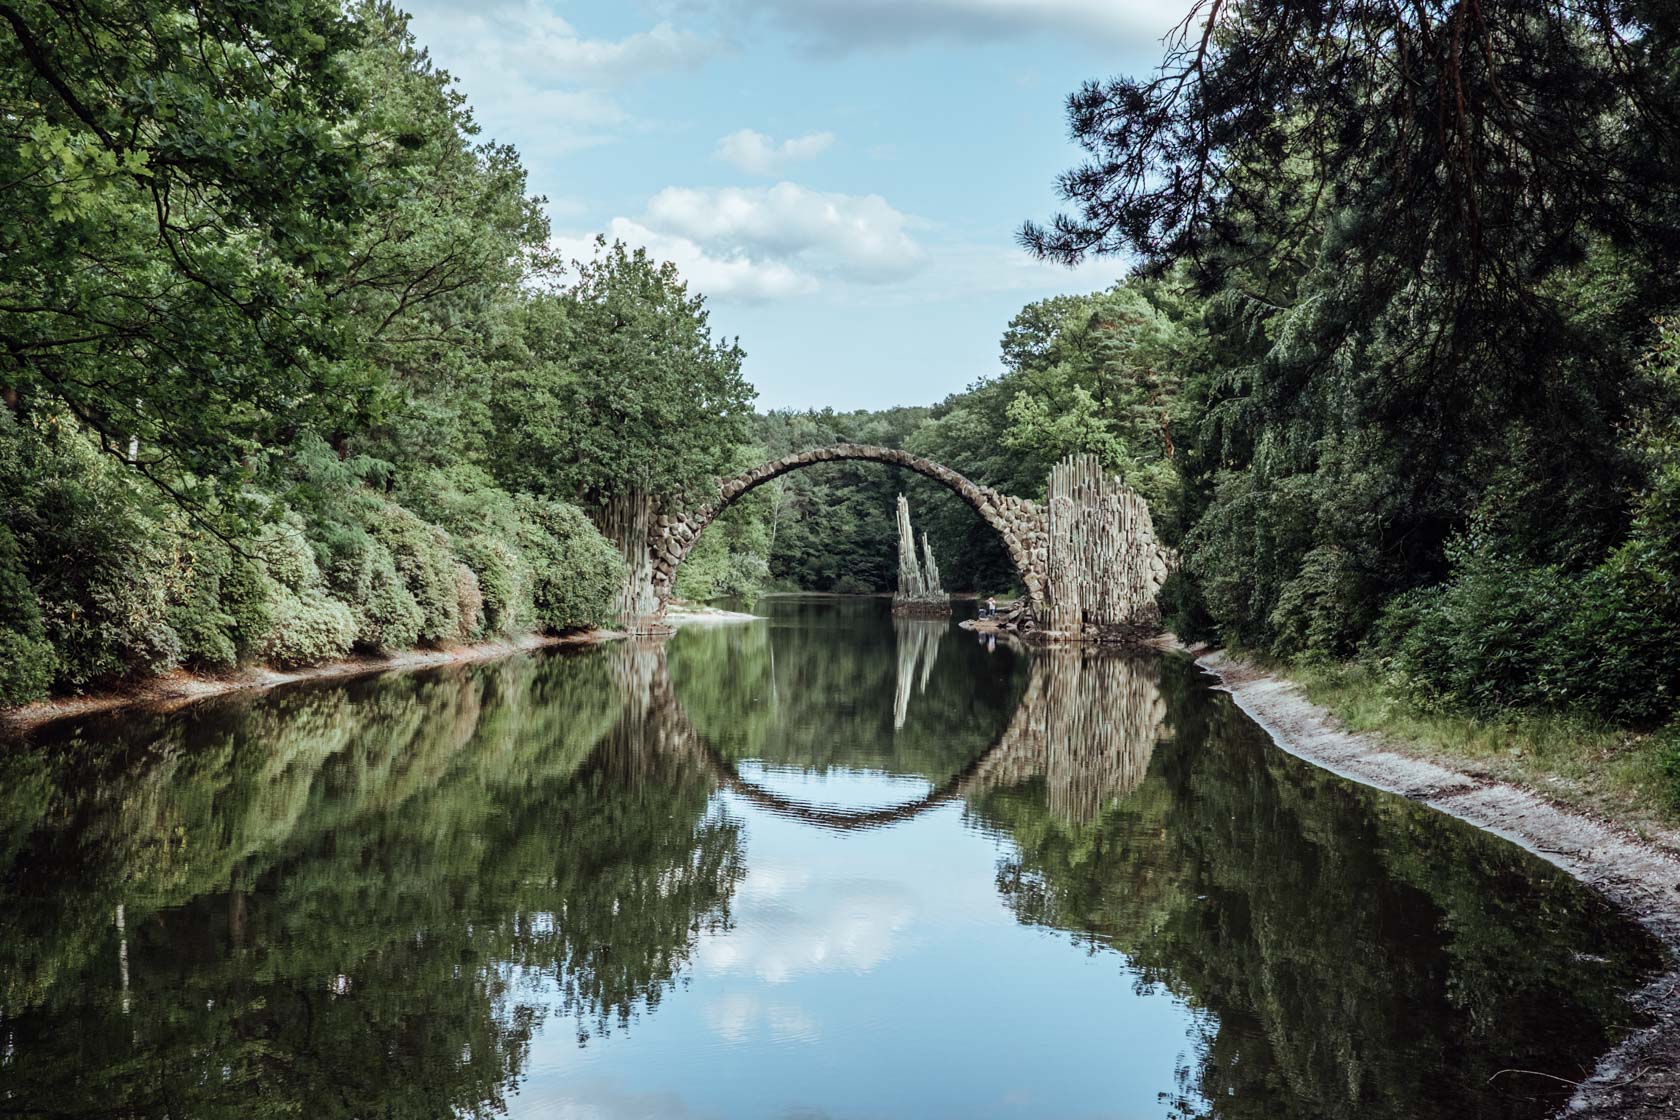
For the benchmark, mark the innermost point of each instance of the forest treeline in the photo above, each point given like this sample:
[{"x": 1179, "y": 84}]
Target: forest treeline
[{"x": 289, "y": 369}]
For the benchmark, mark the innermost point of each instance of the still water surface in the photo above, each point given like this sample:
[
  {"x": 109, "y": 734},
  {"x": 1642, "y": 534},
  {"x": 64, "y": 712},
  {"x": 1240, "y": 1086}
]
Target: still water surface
[{"x": 824, "y": 865}]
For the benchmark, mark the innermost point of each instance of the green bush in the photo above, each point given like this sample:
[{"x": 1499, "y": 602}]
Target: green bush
[
  {"x": 362, "y": 572},
  {"x": 285, "y": 555},
  {"x": 98, "y": 556},
  {"x": 244, "y": 598},
  {"x": 426, "y": 562},
  {"x": 1501, "y": 635},
  {"x": 469, "y": 603},
  {"x": 1324, "y": 609},
  {"x": 218, "y": 602},
  {"x": 27, "y": 662},
  {"x": 575, "y": 570},
  {"x": 195, "y": 608},
  {"x": 504, "y": 582},
  {"x": 308, "y": 628}
]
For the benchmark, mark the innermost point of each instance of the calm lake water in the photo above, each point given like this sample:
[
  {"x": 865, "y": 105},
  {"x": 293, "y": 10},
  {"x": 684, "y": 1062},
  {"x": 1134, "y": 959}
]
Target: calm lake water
[{"x": 822, "y": 865}]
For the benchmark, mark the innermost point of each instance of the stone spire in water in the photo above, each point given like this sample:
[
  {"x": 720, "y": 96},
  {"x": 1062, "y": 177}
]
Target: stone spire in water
[
  {"x": 930, "y": 569},
  {"x": 910, "y": 583},
  {"x": 919, "y": 591}
]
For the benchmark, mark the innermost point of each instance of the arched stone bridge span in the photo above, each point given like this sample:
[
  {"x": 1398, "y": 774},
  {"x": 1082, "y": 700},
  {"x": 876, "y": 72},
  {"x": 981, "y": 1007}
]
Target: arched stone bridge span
[
  {"x": 1087, "y": 557},
  {"x": 1021, "y": 523}
]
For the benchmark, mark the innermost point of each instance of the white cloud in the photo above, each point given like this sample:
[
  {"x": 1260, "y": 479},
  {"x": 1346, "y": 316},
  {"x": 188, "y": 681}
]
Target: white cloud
[
  {"x": 552, "y": 122},
  {"x": 761, "y": 244},
  {"x": 718, "y": 274},
  {"x": 844, "y": 25},
  {"x": 860, "y": 237},
  {"x": 534, "y": 79},
  {"x": 758, "y": 154},
  {"x": 528, "y": 38}
]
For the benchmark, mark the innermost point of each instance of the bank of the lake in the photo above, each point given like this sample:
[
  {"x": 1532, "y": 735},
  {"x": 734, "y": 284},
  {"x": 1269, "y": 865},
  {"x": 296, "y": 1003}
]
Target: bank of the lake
[
  {"x": 1639, "y": 871},
  {"x": 181, "y": 687}
]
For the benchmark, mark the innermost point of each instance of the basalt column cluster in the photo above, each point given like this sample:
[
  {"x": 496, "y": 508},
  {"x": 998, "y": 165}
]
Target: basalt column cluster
[{"x": 919, "y": 594}]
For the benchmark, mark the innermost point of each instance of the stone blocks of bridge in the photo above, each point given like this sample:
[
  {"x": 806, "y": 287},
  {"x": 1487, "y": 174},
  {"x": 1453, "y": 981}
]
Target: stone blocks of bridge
[{"x": 1129, "y": 548}]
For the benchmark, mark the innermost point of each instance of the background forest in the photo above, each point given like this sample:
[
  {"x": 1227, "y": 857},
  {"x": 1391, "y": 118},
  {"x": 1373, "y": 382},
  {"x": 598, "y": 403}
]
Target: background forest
[{"x": 289, "y": 369}]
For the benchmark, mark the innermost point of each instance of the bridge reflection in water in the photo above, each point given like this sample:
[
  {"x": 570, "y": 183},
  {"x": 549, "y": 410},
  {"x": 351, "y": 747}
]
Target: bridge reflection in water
[{"x": 1086, "y": 723}]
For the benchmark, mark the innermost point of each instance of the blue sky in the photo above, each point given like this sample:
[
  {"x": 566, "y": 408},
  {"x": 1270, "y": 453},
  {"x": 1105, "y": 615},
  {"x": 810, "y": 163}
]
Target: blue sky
[{"x": 842, "y": 178}]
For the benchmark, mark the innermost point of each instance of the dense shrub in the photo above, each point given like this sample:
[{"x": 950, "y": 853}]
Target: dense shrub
[
  {"x": 309, "y": 627},
  {"x": 1324, "y": 609},
  {"x": 244, "y": 599},
  {"x": 469, "y": 602},
  {"x": 1500, "y": 635},
  {"x": 362, "y": 572},
  {"x": 26, "y": 658},
  {"x": 195, "y": 609},
  {"x": 218, "y": 602},
  {"x": 100, "y": 579},
  {"x": 575, "y": 570},
  {"x": 504, "y": 582},
  {"x": 98, "y": 556},
  {"x": 426, "y": 562}
]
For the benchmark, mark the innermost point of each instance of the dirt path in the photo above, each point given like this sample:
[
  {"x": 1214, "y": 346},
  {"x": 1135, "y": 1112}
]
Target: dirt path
[
  {"x": 1639, "y": 1079},
  {"x": 180, "y": 687}
]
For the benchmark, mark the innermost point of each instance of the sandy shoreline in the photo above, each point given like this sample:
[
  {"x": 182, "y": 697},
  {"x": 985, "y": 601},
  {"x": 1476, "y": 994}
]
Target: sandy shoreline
[
  {"x": 181, "y": 687},
  {"x": 1641, "y": 1077}
]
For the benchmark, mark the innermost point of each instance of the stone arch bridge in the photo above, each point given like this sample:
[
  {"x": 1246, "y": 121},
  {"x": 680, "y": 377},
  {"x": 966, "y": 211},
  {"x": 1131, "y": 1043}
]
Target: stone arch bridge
[{"x": 1087, "y": 558}]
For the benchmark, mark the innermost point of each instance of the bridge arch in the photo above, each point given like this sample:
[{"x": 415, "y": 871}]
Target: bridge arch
[{"x": 1019, "y": 522}]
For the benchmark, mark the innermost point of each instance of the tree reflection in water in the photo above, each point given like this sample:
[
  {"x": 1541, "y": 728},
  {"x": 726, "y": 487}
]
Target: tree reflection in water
[
  {"x": 345, "y": 901},
  {"x": 368, "y": 898}
]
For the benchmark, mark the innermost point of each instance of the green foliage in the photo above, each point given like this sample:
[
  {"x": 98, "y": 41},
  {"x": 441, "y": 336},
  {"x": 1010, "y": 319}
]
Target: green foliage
[
  {"x": 97, "y": 553},
  {"x": 308, "y": 625},
  {"x": 1501, "y": 635},
  {"x": 1411, "y": 332},
  {"x": 184, "y": 186},
  {"x": 615, "y": 383},
  {"x": 362, "y": 572},
  {"x": 422, "y": 556},
  {"x": 219, "y": 606},
  {"x": 504, "y": 582},
  {"x": 26, "y": 657},
  {"x": 575, "y": 571},
  {"x": 259, "y": 270}
]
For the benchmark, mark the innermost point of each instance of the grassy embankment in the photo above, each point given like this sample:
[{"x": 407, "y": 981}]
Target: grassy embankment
[{"x": 1624, "y": 776}]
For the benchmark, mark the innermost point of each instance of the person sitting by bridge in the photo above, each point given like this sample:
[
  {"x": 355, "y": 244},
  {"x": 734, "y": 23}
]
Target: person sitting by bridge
[{"x": 989, "y": 608}]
